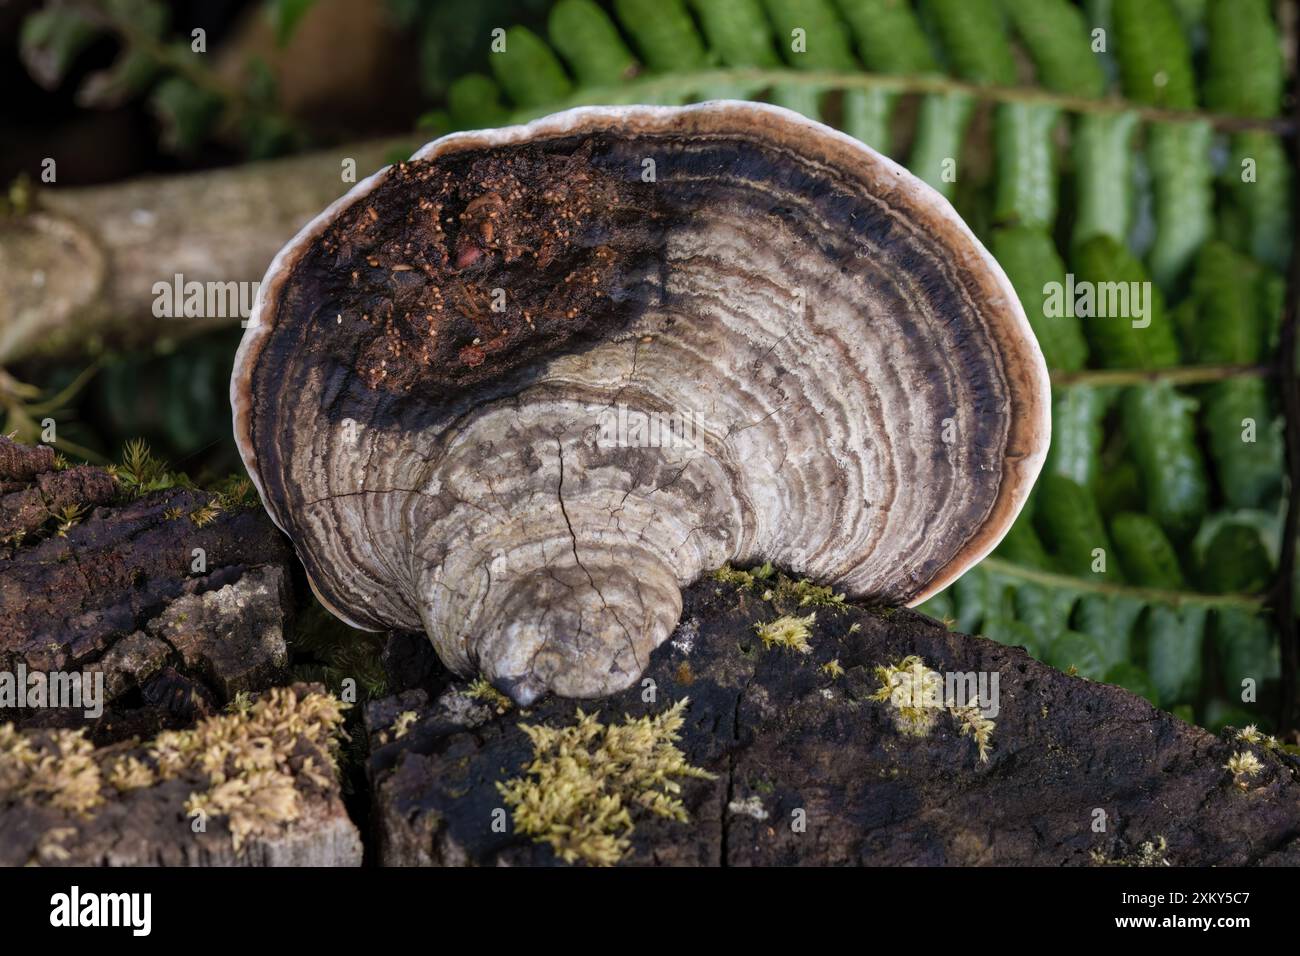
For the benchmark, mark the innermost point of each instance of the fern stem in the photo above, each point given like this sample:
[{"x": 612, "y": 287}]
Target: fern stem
[
  {"x": 1245, "y": 602},
  {"x": 1177, "y": 375},
  {"x": 663, "y": 87}
]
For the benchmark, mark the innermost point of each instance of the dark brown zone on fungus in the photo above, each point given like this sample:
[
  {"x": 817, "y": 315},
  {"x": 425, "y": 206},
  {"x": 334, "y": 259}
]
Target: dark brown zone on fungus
[{"x": 457, "y": 271}]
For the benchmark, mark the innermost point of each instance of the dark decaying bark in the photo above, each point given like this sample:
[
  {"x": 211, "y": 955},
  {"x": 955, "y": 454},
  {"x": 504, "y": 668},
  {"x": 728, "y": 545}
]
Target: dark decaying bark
[
  {"x": 147, "y": 827},
  {"x": 181, "y": 605},
  {"x": 782, "y": 735},
  {"x": 153, "y": 825},
  {"x": 96, "y": 581}
]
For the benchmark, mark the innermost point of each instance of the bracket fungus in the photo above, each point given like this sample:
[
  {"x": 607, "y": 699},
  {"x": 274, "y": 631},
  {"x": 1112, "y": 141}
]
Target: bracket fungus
[{"x": 519, "y": 390}]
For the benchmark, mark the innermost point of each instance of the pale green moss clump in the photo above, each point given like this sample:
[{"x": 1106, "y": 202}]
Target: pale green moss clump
[
  {"x": 130, "y": 773},
  {"x": 403, "y": 724},
  {"x": 1250, "y": 734},
  {"x": 1243, "y": 765},
  {"x": 802, "y": 593},
  {"x": 745, "y": 579},
  {"x": 252, "y": 759},
  {"x": 1150, "y": 853},
  {"x": 787, "y": 595},
  {"x": 480, "y": 689},
  {"x": 917, "y": 696},
  {"x": 975, "y": 725},
  {"x": 56, "y": 767},
  {"x": 585, "y": 779},
  {"x": 788, "y": 631},
  {"x": 914, "y": 691},
  {"x": 786, "y": 591}
]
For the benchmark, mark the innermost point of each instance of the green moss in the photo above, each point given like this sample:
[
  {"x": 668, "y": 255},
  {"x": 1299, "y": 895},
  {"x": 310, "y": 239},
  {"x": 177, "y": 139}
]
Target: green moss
[
  {"x": 403, "y": 724},
  {"x": 1243, "y": 765},
  {"x": 329, "y": 652},
  {"x": 787, "y": 631},
  {"x": 67, "y": 517},
  {"x": 235, "y": 491},
  {"x": 916, "y": 696},
  {"x": 914, "y": 692},
  {"x": 745, "y": 579},
  {"x": 206, "y": 514},
  {"x": 803, "y": 593},
  {"x": 54, "y": 767},
  {"x": 140, "y": 472},
  {"x": 130, "y": 773},
  {"x": 250, "y": 765},
  {"x": 1150, "y": 853},
  {"x": 786, "y": 592},
  {"x": 1251, "y": 734},
  {"x": 480, "y": 689},
  {"x": 253, "y": 758},
  {"x": 585, "y": 781},
  {"x": 17, "y": 200}
]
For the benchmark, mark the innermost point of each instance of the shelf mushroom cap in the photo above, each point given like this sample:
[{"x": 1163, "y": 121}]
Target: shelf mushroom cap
[{"x": 519, "y": 390}]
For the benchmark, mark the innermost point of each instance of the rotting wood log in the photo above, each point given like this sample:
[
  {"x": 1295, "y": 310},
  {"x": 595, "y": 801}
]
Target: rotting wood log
[
  {"x": 810, "y": 770},
  {"x": 175, "y": 603},
  {"x": 277, "y": 801},
  {"x": 179, "y": 598}
]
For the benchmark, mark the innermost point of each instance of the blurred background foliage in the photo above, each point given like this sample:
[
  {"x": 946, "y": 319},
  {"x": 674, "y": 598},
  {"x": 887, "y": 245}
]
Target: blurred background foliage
[{"x": 1117, "y": 140}]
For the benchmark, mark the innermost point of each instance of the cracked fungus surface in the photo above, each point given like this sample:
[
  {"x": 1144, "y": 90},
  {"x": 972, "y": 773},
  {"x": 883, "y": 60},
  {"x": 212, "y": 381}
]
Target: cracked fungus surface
[
  {"x": 513, "y": 396},
  {"x": 587, "y": 780},
  {"x": 250, "y": 765}
]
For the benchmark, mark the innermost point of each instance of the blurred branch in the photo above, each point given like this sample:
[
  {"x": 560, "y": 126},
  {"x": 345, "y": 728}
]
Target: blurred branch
[{"x": 77, "y": 271}]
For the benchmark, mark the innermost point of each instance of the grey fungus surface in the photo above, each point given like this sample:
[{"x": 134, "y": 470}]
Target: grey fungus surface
[{"x": 520, "y": 390}]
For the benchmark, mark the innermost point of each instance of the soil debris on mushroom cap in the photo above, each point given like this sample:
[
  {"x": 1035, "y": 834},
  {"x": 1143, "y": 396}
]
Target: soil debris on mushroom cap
[{"x": 518, "y": 391}]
